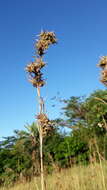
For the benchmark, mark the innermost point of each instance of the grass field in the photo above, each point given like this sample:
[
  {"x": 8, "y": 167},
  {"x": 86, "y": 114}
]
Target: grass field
[{"x": 92, "y": 177}]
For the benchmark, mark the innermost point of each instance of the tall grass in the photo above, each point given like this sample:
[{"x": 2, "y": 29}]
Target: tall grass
[
  {"x": 36, "y": 78},
  {"x": 76, "y": 178}
]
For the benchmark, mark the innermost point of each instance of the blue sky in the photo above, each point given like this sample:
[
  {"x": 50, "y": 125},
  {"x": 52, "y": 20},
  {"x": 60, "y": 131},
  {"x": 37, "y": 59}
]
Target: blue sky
[{"x": 81, "y": 29}]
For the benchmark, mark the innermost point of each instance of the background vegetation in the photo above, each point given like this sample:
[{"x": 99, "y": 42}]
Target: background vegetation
[{"x": 85, "y": 143}]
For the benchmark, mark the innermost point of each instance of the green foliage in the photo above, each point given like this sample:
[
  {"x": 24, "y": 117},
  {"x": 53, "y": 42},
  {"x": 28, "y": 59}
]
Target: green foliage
[
  {"x": 68, "y": 151},
  {"x": 87, "y": 118}
]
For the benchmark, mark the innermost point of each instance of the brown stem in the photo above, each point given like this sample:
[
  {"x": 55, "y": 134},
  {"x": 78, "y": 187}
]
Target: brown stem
[
  {"x": 41, "y": 141},
  {"x": 41, "y": 158}
]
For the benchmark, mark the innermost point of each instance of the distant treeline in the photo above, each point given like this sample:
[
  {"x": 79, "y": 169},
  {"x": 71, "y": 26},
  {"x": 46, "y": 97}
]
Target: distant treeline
[{"x": 85, "y": 143}]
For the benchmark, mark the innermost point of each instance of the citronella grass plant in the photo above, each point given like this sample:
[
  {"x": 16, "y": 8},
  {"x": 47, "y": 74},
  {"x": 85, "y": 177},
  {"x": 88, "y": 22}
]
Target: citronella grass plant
[
  {"x": 34, "y": 70},
  {"x": 103, "y": 65}
]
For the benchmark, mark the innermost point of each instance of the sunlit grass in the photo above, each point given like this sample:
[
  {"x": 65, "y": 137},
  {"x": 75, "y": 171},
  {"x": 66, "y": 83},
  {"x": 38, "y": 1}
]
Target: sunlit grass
[{"x": 92, "y": 177}]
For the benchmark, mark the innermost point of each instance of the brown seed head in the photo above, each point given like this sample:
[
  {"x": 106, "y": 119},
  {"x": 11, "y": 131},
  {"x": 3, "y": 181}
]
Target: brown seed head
[
  {"x": 45, "y": 40},
  {"x": 35, "y": 66},
  {"x": 103, "y": 65},
  {"x": 103, "y": 62},
  {"x": 39, "y": 83},
  {"x": 45, "y": 123},
  {"x": 34, "y": 70}
]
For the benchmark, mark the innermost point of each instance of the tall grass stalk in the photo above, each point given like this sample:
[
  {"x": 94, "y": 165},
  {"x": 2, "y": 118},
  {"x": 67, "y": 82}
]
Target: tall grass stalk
[
  {"x": 103, "y": 179},
  {"x": 36, "y": 78},
  {"x": 40, "y": 138}
]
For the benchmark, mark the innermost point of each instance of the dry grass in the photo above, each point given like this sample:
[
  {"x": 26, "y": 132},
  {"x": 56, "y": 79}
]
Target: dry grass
[{"x": 92, "y": 177}]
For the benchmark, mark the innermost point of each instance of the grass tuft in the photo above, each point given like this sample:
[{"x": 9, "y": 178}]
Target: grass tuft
[{"x": 76, "y": 178}]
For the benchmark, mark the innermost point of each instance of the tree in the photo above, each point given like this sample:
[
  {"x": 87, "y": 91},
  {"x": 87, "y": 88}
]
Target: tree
[
  {"x": 87, "y": 117},
  {"x": 23, "y": 155}
]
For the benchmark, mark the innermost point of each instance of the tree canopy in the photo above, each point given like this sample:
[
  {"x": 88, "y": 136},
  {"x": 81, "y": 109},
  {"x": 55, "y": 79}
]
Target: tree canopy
[{"x": 87, "y": 141}]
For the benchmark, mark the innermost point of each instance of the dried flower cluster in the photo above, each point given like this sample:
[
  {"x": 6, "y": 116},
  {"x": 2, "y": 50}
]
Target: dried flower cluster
[
  {"x": 47, "y": 125},
  {"x": 34, "y": 68},
  {"x": 45, "y": 40},
  {"x": 103, "y": 65},
  {"x": 36, "y": 76}
]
